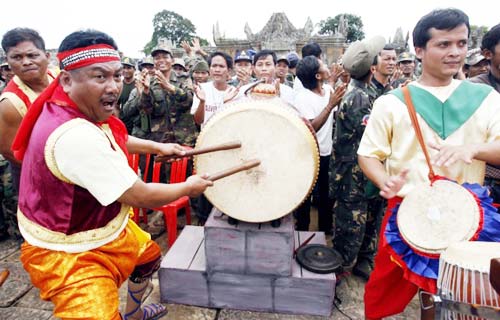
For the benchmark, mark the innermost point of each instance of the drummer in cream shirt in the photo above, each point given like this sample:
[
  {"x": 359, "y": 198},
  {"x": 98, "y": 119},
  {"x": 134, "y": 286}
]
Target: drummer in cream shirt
[
  {"x": 210, "y": 96},
  {"x": 460, "y": 124},
  {"x": 316, "y": 103}
]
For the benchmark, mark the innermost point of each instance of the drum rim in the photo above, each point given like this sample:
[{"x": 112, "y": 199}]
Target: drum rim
[
  {"x": 475, "y": 224},
  {"x": 281, "y": 108}
]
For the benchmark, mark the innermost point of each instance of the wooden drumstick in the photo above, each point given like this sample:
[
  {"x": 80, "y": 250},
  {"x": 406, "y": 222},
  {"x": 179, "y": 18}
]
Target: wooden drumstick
[
  {"x": 192, "y": 152},
  {"x": 227, "y": 172},
  {"x": 3, "y": 276}
]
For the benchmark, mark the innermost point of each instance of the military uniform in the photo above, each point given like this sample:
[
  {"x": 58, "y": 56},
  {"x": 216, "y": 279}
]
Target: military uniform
[
  {"x": 357, "y": 220},
  {"x": 166, "y": 117},
  {"x": 8, "y": 202},
  {"x": 137, "y": 117}
]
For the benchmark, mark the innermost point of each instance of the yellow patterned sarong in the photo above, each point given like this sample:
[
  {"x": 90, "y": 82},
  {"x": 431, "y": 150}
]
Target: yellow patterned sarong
[{"x": 85, "y": 285}]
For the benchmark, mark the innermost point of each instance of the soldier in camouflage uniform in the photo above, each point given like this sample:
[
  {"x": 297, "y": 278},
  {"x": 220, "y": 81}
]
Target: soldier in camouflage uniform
[
  {"x": 167, "y": 101},
  {"x": 8, "y": 203},
  {"x": 128, "y": 85},
  {"x": 385, "y": 66},
  {"x": 131, "y": 110},
  {"x": 356, "y": 221}
]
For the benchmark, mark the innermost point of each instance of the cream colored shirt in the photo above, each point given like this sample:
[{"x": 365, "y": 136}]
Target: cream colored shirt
[
  {"x": 83, "y": 156},
  {"x": 389, "y": 137}
]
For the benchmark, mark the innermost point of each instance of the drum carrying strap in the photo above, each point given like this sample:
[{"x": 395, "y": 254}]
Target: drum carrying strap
[{"x": 416, "y": 127}]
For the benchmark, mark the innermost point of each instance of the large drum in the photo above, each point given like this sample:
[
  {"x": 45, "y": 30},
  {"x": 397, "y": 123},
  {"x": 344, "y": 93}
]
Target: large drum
[
  {"x": 464, "y": 276},
  {"x": 273, "y": 133}
]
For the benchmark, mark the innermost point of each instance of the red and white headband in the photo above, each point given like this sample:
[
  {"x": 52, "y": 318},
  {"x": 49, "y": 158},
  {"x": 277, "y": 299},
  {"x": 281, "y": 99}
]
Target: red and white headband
[{"x": 81, "y": 57}]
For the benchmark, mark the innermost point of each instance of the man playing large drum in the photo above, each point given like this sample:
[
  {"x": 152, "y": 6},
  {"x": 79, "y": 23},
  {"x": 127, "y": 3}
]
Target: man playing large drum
[{"x": 460, "y": 125}]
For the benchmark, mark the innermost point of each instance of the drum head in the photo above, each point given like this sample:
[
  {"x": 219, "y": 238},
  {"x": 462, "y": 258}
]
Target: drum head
[
  {"x": 319, "y": 258},
  {"x": 431, "y": 217},
  {"x": 472, "y": 255},
  {"x": 275, "y": 135}
]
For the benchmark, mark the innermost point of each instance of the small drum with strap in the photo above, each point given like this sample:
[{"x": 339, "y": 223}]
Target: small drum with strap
[
  {"x": 464, "y": 284},
  {"x": 433, "y": 216},
  {"x": 271, "y": 131}
]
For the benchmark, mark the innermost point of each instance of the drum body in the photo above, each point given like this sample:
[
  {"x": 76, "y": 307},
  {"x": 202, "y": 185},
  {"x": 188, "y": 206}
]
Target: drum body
[
  {"x": 464, "y": 275},
  {"x": 273, "y": 133}
]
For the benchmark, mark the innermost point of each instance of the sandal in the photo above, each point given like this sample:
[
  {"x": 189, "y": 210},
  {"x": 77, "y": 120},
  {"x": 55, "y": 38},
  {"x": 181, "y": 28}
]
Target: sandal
[
  {"x": 154, "y": 311},
  {"x": 151, "y": 311}
]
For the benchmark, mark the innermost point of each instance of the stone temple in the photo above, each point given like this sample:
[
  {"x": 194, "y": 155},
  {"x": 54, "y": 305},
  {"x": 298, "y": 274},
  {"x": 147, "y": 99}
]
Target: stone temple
[{"x": 281, "y": 36}]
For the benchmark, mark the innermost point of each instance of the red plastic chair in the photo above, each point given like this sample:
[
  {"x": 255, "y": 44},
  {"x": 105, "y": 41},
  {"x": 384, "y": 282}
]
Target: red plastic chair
[
  {"x": 133, "y": 161},
  {"x": 178, "y": 171}
]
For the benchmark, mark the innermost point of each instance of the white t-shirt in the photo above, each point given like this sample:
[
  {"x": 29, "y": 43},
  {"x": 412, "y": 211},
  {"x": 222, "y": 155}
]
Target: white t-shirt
[
  {"x": 83, "y": 155},
  {"x": 214, "y": 99},
  {"x": 310, "y": 105}
]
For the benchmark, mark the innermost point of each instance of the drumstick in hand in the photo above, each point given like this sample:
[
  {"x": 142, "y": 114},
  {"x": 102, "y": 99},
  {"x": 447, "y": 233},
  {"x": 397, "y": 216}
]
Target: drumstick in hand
[
  {"x": 224, "y": 173},
  {"x": 192, "y": 152},
  {"x": 3, "y": 276}
]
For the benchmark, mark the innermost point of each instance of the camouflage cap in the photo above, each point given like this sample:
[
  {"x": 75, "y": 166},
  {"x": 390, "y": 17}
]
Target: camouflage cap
[
  {"x": 148, "y": 60},
  {"x": 406, "y": 56},
  {"x": 474, "y": 56},
  {"x": 358, "y": 58},
  {"x": 128, "y": 61},
  {"x": 283, "y": 58},
  {"x": 180, "y": 62},
  {"x": 161, "y": 48},
  {"x": 242, "y": 56},
  {"x": 201, "y": 66}
]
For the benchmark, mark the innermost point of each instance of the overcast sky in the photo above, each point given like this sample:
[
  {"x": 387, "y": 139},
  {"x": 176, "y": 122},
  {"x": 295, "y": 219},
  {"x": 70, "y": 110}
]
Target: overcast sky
[{"x": 130, "y": 22}]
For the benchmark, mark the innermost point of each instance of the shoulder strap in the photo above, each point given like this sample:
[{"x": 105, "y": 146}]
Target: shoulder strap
[{"x": 416, "y": 127}]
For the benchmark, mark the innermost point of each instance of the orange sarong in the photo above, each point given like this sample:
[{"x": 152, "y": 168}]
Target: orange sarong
[{"x": 85, "y": 285}]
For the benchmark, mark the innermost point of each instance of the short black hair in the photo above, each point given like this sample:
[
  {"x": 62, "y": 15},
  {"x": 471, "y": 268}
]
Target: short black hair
[
  {"x": 85, "y": 38},
  {"x": 311, "y": 49},
  {"x": 441, "y": 19},
  {"x": 262, "y": 54},
  {"x": 387, "y": 47},
  {"x": 491, "y": 38},
  {"x": 15, "y": 36},
  {"x": 229, "y": 60},
  {"x": 307, "y": 68}
]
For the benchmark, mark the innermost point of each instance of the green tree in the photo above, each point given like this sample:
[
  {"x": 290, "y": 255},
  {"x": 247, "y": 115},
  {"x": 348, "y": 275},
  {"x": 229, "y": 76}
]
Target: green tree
[
  {"x": 170, "y": 25},
  {"x": 354, "y": 26}
]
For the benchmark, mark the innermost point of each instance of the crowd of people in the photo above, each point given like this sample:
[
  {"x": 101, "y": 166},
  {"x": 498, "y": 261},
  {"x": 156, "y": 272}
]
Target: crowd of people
[{"x": 79, "y": 243}]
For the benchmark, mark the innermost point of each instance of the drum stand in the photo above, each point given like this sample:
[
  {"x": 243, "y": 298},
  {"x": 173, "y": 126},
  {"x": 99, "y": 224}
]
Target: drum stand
[
  {"x": 445, "y": 308},
  {"x": 247, "y": 266}
]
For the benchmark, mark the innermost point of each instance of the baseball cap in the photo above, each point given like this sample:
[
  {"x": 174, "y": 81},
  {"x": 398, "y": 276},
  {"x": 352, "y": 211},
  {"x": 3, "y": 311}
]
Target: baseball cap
[
  {"x": 474, "y": 56},
  {"x": 148, "y": 60},
  {"x": 128, "y": 61},
  {"x": 242, "y": 56},
  {"x": 358, "y": 58},
  {"x": 283, "y": 58},
  {"x": 161, "y": 48},
  {"x": 179, "y": 62},
  {"x": 405, "y": 56},
  {"x": 201, "y": 66},
  {"x": 293, "y": 59}
]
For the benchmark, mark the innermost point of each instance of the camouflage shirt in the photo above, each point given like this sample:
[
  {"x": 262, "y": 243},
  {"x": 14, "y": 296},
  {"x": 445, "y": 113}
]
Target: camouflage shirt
[
  {"x": 351, "y": 122},
  {"x": 169, "y": 114},
  {"x": 131, "y": 111}
]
